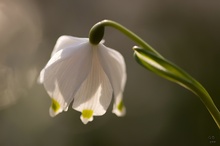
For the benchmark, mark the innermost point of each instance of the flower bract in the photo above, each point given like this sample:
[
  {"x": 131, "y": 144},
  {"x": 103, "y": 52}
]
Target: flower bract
[{"x": 86, "y": 75}]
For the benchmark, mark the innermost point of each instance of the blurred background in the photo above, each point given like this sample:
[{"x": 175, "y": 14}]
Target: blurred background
[{"x": 159, "y": 113}]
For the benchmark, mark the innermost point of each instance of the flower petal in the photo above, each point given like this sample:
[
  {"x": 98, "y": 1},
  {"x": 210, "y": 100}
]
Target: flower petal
[
  {"x": 64, "y": 53},
  {"x": 66, "y": 41},
  {"x": 87, "y": 116},
  {"x": 64, "y": 74},
  {"x": 95, "y": 93},
  {"x": 114, "y": 66},
  {"x": 118, "y": 107}
]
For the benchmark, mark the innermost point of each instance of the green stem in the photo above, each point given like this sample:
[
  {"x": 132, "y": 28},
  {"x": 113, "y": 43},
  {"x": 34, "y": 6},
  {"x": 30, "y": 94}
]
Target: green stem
[
  {"x": 171, "y": 72},
  {"x": 98, "y": 29},
  {"x": 176, "y": 74},
  {"x": 194, "y": 86},
  {"x": 210, "y": 105}
]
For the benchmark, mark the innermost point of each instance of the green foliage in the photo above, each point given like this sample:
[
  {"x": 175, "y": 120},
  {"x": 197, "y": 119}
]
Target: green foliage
[{"x": 170, "y": 71}]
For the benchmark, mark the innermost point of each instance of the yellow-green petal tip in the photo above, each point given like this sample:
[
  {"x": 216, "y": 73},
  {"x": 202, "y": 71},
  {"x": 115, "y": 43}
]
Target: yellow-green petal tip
[{"x": 55, "y": 105}]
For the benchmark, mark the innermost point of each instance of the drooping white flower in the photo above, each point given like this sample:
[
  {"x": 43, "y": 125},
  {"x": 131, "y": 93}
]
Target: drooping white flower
[{"x": 87, "y": 75}]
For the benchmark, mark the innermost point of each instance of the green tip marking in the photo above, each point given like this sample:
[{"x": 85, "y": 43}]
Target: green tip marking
[
  {"x": 87, "y": 113},
  {"x": 55, "y": 105},
  {"x": 120, "y": 105}
]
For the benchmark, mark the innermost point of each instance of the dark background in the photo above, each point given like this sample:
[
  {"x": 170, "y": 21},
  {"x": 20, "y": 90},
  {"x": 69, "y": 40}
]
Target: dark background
[{"x": 159, "y": 113}]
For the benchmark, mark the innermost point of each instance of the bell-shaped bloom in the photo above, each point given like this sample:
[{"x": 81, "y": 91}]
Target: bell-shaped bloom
[{"x": 86, "y": 75}]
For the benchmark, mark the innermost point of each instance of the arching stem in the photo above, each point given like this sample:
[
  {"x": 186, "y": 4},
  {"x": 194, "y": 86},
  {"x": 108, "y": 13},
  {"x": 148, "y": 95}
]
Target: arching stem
[{"x": 153, "y": 61}]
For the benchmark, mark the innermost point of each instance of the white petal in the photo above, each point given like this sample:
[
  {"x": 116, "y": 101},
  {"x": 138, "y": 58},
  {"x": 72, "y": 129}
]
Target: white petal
[
  {"x": 118, "y": 107},
  {"x": 95, "y": 93},
  {"x": 86, "y": 116},
  {"x": 66, "y": 42},
  {"x": 40, "y": 79},
  {"x": 64, "y": 74},
  {"x": 65, "y": 53},
  {"x": 62, "y": 43},
  {"x": 114, "y": 66}
]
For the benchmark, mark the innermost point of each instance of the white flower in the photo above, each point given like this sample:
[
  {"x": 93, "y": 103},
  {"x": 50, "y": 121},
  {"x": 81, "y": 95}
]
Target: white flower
[{"x": 87, "y": 75}]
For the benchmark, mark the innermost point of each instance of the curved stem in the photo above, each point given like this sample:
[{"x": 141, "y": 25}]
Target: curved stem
[
  {"x": 100, "y": 25},
  {"x": 172, "y": 72}
]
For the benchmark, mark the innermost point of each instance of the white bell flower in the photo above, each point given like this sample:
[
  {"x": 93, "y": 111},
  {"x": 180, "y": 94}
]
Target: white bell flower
[{"x": 87, "y": 75}]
